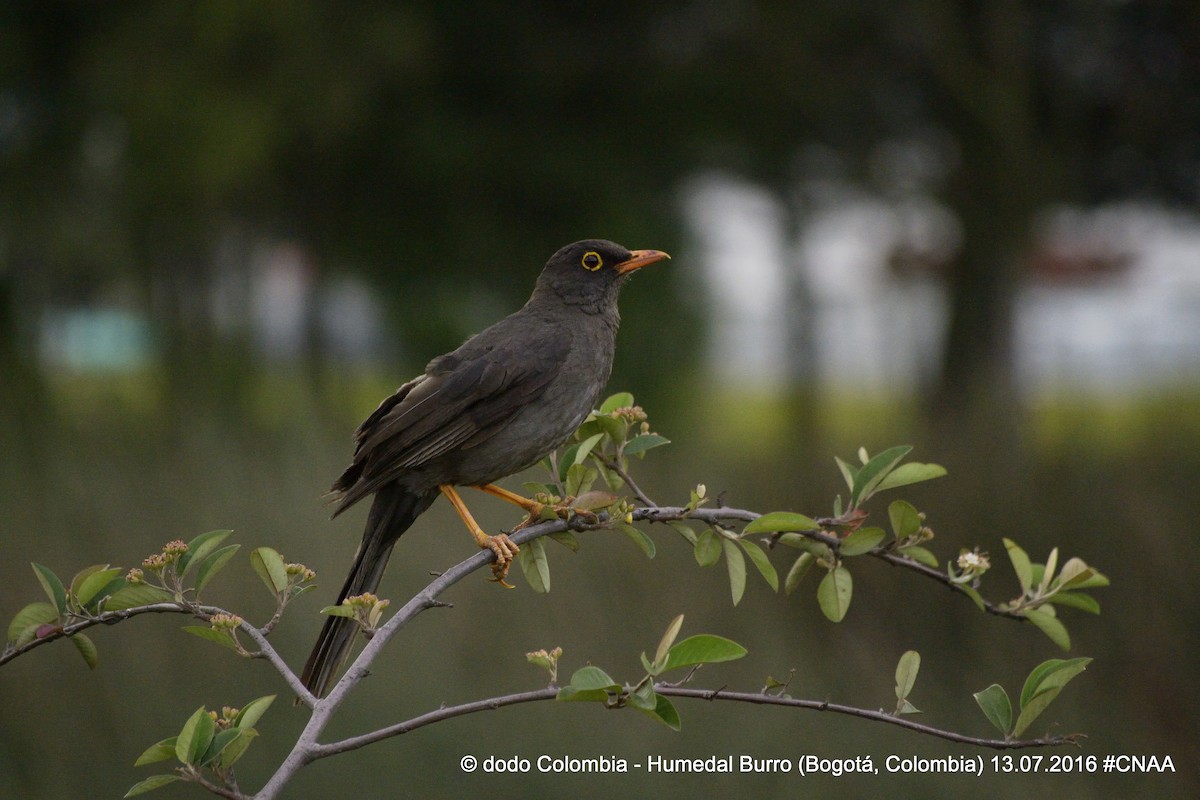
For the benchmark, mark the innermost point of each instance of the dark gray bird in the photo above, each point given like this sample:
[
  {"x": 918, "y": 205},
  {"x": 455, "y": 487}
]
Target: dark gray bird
[{"x": 496, "y": 405}]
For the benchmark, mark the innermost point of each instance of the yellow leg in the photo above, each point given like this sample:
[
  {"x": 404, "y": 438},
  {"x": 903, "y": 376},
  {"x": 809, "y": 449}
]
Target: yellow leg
[
  {"x": 532, "y": 506},
  {"x": 504, "y": 547}
]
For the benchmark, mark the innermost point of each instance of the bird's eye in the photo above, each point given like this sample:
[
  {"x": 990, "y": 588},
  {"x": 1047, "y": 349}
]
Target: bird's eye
[{"x": 592, "y": 260}]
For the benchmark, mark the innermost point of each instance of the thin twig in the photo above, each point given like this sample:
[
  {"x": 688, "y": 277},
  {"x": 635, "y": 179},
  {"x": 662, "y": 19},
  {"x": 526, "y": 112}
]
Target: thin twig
[{"x": 623, "y": 474}]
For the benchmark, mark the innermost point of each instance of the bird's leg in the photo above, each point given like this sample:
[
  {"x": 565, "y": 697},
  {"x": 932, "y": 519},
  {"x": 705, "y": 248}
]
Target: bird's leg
[
  {"x": 504, "y": 548},
  {"x": 532, "y": 507}
]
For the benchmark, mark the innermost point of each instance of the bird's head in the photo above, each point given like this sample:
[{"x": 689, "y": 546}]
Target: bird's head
[{"x": 590, "y": 272}]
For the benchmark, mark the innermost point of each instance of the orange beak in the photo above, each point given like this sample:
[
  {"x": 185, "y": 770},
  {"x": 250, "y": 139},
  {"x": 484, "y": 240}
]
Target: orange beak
[{"x": 638, "y": 259}]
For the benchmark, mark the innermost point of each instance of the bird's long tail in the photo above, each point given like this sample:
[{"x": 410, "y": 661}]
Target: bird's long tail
[{"x": 392, "y": 513}]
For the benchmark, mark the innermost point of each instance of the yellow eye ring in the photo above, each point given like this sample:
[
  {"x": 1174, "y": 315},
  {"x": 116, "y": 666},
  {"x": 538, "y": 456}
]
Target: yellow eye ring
[{"x": 592, "y": 261}]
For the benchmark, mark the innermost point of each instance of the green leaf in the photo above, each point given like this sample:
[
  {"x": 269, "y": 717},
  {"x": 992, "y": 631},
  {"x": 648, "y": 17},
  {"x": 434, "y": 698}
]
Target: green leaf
[
  {"x": 1084, "y": 602},
  {"x": 81, "y": 576},
  {"x": 996, "y": 707},
  {"x": 906, "y": 673},
  {"x": 195, "y": 737},
  {"x": 1076, "y": 574},
  {"x": 1049, "y": 625},
  {"x": 703, "y": 648},
  {"x": 975, "y": 596},
  {"x": 1021, "y": 564},
  {"x": 134, "y": 595},
  {"x": 736, "y": 564},
  {"x": 799, "y": 569},
  {"x": 566, "y": 539},
  {"x": 1048, "y": 571},
  {"x": 760, "y": 561},
  {"x": 615, "y": 401},
  {"x": 834, "y": 593},
  {"x": 585, "y": 448},
  {"x": 1047, "y": 681},
  {"x": 684, "y": 530},
  {"x": 907, "y": 708},
  {"x": 25, "y": 624},
  {"x": 873, "y": 473},
  {"x": 862, "y": 541},
  {"x": 52, "y": 586},
  {"x": 589, "y": 678},
  {"x": 535, "y": 565},
  {"x": 778, "y": 521},
  {"x": 668, "y": 639},
  {"x": 212, "y": 564},
  {"x": 87, "y": 649},
  {"x": 159, "y": 751},
  {"x": 920, "y": 554},
  {"x": 912, "y": 472},
  {"x": 237, "y": 748},
  {"x": 665, "y": 712},
  {"x": 849, "y": 472},
  {"x": 708, "y": 548},
  {"x": 220, "y": 741},
  {"x": 338, "y": 611},
  {"x": 580, "y": 479},
  {"x": 153, "y": 782},
  {"x": 223, "y": 638},
  {"x": 640, "y": 539},
  {"x": 905, "y": 519},
  {"x": 91, "y": 588},
  {"x": 198, "y": 548},
  {"x": 643, "y": 698},
  {"x": 643, "y": 442},
  {"x": 594, "y": 500},
  {"x": 271, "y": 568}
]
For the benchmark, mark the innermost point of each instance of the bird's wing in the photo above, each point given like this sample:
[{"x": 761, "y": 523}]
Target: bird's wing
[{"x": 466, "y": 395}]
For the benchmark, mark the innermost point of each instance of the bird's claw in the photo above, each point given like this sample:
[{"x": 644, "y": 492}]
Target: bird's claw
[{"x": 505, "y": 550}]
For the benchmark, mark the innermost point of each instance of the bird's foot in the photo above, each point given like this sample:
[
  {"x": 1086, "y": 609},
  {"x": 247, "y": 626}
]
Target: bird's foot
[
  {"x": 506, "y": 550},
  {"x": 563, "y": 510}
]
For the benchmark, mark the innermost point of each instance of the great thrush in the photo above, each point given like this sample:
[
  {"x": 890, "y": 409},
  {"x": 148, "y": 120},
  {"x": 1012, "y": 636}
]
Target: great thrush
[{"x": 496, "y": 405}]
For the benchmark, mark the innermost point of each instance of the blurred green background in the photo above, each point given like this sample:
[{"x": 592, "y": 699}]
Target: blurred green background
[{"x": 227, "y": 230}]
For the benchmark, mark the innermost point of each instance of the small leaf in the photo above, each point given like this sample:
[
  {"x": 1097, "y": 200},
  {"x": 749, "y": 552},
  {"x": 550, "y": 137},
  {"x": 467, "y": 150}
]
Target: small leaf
[
  {"x": 863, "y": 540},
  {"x": 849, "y": 472},
  {"x": 1049, "y": 683},
  {"x": 135, "y": 595},
  {"x": 644, "y": 698},
  {"x": 212, "y": 564},
  {"x": 580, "y": 479},
  {"x": 153, "y": 782},
  {"x": 708, "y": 548},
  {"x": 798, "y": 571},
  {"x": 198, "y": 548},
  {"x": 195, "y": 737},
  {"x": 535, "y": 565},
  {"x": 905, "y": 519},
  {"x": 586, "y": 447},
  {"x": 643, "y": 442},
  {"x": 1049, "y": 625},
  {"x": 834, "y": 593},
  {"x": 566, "y": 539},
  {"x": 684, "y": 530},
  {"x": 223, "y": 637},
  {"x": 704, "y": 648},
  {"x": 1048, "y": 571},
  {"x": 589, "y": 678},
  {"x": 338, "y": 611},
  {"x": 237, "y": 748},
  {"x": 910, "y": 473},
  {"x": 763, "y": 564},
  {"x": 615, "y": 401},
  {"x": 24, "y": 625},
  {"x": 640, "y": 539},
  {"x": 668, "y": 639},
  {"x": 252, "y": 712},
  {"x": 996, "y": 707},
  {"x": 778, "y": 521},
  {"x": 81, "y": 576},
  {"x": 736, "y": 564},
  {"x": 594, "y": 500},
  {"x": 220, "y": 741},
  {"x": 975, "y": 596},
  {"x": 873, "y": 473},
  {"x": 92, "y": 587},
  {"x": 906, "y": 673},
  {"x": 1084, "y": 602},
  {"x": 52, "y": 586},
  {"x": 159, "y": 751},
  {"x": 907, "y": 708},
  {"x": 1021, "y": 565},
  {"x": 270, "y": 567},
  {"x": 666, "y": 713},
  {"x": 87, "y": 649},
  {"x": 921, "y": 555}
]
